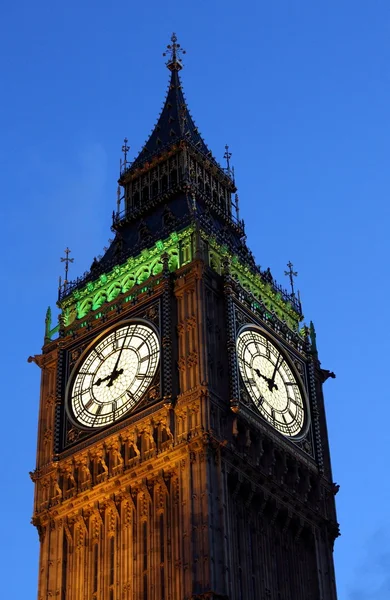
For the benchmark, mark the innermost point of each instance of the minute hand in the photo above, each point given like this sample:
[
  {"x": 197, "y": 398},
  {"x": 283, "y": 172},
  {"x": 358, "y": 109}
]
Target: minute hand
[
  {"x": 271, "y": 383},
  {"x": 114, "y": 373}
]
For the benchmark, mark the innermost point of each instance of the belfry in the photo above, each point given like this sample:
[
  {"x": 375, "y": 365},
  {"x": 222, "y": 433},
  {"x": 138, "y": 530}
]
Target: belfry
[{"x": 182, "y": 442}]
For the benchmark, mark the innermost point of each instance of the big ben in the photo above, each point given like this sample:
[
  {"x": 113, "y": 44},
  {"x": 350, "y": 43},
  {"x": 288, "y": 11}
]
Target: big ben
[{"x": 182, "y": 443}]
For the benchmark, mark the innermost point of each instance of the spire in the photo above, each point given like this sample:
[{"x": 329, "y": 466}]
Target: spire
[{"x": 175, "y": 122}]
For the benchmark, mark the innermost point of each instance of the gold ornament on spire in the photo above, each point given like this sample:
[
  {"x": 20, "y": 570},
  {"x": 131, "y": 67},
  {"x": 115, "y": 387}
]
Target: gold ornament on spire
[{"x": 174, "y": 51}]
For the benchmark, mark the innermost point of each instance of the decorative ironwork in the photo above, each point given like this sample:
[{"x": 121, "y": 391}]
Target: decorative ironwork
[
  {"x": 291, "y": 274},
  {"x": 66, "y": 260},
  {"x": 174, "y": 51},
  {"x": 125, "y": 163},
  {"x": 227, "y": 156}
]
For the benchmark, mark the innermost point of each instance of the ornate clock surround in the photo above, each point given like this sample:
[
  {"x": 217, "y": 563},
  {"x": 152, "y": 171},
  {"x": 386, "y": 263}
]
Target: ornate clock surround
[
  {"x": 67, "y": 432},
  {"x": 293, "y": 373},
  {"x": 299, "y": 359}
]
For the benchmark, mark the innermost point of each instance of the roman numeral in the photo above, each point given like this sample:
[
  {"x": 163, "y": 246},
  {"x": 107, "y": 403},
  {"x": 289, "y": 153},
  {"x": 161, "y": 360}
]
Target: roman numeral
[{"x": 145, "y": 340}]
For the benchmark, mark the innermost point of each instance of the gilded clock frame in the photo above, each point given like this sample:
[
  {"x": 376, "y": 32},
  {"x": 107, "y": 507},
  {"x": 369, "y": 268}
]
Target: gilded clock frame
[
  {"x": 74, "y": 370},
  {"x": 287, "y": 357}
]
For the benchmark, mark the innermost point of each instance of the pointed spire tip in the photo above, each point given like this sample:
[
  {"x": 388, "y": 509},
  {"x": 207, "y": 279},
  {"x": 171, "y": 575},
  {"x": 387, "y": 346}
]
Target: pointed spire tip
[{"x": 174, "y": 51}]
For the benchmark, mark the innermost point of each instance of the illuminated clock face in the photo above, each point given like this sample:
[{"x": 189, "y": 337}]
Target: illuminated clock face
[
  {"x": 114, "y": 375},
  {"x": 270, "y": 382}
]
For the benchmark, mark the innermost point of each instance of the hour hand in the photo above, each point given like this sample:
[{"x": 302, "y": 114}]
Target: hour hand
[
  {"x": 100, "y": 380},
  {"x": 267, "y": 379},
  {"x": 114, "y": 375}
]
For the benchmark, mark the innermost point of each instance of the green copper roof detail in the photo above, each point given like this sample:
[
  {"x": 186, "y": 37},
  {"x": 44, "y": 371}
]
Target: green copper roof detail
[
  {"x": 313, "y": 339},
  {"x": 252, "y": 282},
  {"x": 49, "y": 330},
  {"x": 122, "y": 278}
]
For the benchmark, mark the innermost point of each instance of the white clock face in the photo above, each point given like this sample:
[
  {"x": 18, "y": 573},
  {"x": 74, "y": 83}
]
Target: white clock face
[
  {"x": 270, "y": 382},
  {"x": 114, "y": 375}
]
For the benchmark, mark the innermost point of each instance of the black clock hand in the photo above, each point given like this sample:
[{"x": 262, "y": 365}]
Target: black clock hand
[
  {"x": 271, "y": 383},
  {"x": 267, "y": 379},
  {"x": 115, "y": 374},
  {"x": 100, "y": 381}
]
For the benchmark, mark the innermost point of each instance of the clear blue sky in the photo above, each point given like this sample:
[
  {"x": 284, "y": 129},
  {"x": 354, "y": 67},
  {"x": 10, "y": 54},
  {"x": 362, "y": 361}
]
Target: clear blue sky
[{"x": 301, "y": 92}]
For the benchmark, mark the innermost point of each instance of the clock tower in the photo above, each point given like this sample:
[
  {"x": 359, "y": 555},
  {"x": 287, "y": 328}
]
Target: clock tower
[{"x": 182, "y": 442}]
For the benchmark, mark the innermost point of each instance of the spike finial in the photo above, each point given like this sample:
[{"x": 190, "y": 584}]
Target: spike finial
[
  {"x": 291, "y": 274},
  {"x": 125, "y": 149},
  {"x": 66, "y": 260},
  {"x": 227, "y": 156},
  {"x": 174, "y": 50}
]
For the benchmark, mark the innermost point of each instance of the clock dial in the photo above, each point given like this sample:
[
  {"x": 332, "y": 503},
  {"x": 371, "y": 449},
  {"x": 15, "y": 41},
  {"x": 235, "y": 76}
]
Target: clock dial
[
  {"x": 114, "y": 375},
  {"x": 270, "y": 382}
]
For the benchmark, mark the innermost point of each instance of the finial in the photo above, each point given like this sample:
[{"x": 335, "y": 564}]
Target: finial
[
  {"x": 125, "y": 149},
  {"x": 66, "y": 260},
  {"x": 313, "y": 338},
  {"x": 48, "y": 324},
  {"x": 291, "y": 274},
  {"x": 174, "y": 51},
  {"x": 227, "y": 156}
]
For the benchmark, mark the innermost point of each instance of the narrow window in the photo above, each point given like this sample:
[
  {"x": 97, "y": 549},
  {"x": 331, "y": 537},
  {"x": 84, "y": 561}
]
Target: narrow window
[
  {"x": 155, "y": 188},
  {"x": 64, "y": 565},
  {"x": 240, "y": 583},
  {"x": 162, "y": 576},
  {"x": 95, "y": 568},
  {"x": 162, "y": 547},
  {"x": 145, "y": 596},
  {"x": 164, "y": 183},
  {"x": 145, "y": 546},
  {"x": 145, "y": 559},
  {"x": 162, "y": 558},
  {"x": 145, "y": 194},
  {"x": 112, "y": 559}
]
